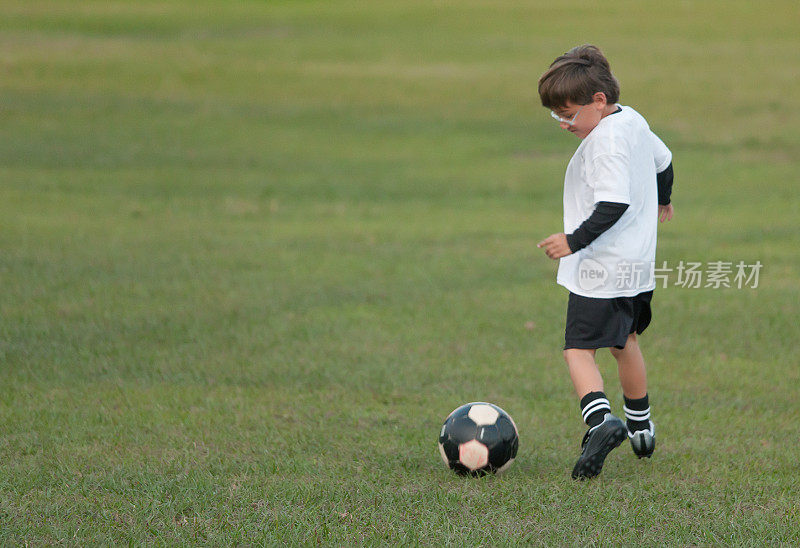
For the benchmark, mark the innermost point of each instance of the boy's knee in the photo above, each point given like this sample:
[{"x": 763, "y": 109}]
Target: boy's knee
[
  {"x": 617, "y": 351},
  {"x": 570, "y": 352},
  {"x": 575, "y": 352}
]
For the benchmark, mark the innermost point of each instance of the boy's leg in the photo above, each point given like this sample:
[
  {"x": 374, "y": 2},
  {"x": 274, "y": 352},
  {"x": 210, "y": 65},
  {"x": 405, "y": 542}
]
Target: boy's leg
[
  {"x": 583, "y": 371},
  {"x": 588, "y": 384},
  {"x": 632, "y": 371},
  {"x": 633, "y": 378},
  {"x": 605, "y": 430}
]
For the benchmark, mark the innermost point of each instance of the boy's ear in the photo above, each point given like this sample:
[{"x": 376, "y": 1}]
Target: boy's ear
[{"x": 600, "y": 99}]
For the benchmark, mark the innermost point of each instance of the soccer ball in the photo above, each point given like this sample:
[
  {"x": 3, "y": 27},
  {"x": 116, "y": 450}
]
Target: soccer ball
[{"x": 477, "y": 438}]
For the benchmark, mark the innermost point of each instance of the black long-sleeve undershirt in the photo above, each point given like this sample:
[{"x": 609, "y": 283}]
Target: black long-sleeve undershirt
[
  {"x": 664, "y": 180},
  {"x": 604, "y": 216}
]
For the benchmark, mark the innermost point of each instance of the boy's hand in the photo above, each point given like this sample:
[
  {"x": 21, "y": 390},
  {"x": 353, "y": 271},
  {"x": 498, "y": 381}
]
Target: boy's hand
[
  {"x": 665, "y": 213},
  {"x": 556, "y": 246}
]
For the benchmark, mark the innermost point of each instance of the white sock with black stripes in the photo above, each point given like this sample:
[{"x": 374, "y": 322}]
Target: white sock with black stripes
[
  {"x": 594, "y": 407},
  {"x": 637, "y": 413}
]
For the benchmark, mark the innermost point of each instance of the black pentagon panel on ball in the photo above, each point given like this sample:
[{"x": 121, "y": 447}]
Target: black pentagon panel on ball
[
  {"x": 514, "y": 447},
  {"x": 499, "y": 455},
  {"x": 461, "y": 429},
  {"x": 489, "y": 435},
  {"x": 450, "y": 449},
  {"x": 506, "y": 428}
]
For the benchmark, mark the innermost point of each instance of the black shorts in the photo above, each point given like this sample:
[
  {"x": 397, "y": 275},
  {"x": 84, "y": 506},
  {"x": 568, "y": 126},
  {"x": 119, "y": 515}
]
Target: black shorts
[{"x": 601, "y": 323}]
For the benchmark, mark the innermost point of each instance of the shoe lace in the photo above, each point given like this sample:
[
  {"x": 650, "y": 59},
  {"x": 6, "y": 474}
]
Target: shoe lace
[{"x": 585, "y": 438}]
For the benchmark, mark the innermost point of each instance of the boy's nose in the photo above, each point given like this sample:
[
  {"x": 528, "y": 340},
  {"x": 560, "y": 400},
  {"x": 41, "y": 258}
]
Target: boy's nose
[{"x": 563, "y": 125}]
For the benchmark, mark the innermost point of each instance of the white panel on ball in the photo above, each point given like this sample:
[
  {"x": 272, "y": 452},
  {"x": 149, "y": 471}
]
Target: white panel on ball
[
  {"x": 473, "y": 454},
  {"x": 444, "y": 455},
  {"x": 482, "y": 414}
]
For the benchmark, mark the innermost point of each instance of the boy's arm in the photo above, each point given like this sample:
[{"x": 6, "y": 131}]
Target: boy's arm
[{"x": 604, "y": 216}]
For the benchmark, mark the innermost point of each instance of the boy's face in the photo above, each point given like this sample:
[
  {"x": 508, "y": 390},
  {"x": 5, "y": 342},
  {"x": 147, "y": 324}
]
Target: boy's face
[{"x": 584, "y": 118}]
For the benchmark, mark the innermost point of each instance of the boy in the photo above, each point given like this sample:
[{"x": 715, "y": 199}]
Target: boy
[{"x": 617, "y": 184}]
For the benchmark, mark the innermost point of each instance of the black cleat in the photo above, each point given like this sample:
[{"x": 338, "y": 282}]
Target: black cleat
[
  {"x": 643, "y": 442},
  {"x": 597, "y": 444}
]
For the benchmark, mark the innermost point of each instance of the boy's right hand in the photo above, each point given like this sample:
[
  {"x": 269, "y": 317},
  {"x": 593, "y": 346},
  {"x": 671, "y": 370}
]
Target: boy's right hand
[
  {"x": 665, "y": 213},
  {"x": 555, "y": 246}
]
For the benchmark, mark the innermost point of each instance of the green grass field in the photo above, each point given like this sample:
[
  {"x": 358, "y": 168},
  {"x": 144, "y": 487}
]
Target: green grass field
[{"x": 253, "y": 253}]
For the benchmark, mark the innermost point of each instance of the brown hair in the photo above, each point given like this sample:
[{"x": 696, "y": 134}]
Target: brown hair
[{"x": 576, "y": 76}]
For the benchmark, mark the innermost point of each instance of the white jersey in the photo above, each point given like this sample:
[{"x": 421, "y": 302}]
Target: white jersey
[{"x": 616, "y": 162}]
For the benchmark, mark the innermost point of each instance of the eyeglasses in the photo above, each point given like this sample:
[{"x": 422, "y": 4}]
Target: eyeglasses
[{"x": 569, "y": 122}]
